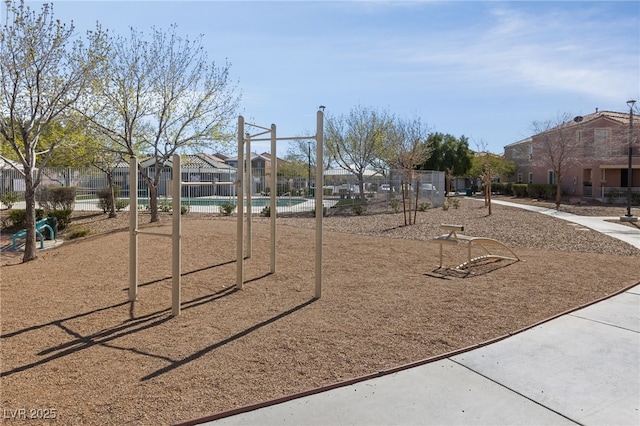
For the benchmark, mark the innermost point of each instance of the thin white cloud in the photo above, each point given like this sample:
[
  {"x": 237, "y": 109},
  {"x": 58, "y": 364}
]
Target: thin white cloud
[{"x": 551, "y": 50}]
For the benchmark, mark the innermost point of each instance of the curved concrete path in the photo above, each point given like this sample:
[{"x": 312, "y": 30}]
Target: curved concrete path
[{"x": 581, "y": 368}]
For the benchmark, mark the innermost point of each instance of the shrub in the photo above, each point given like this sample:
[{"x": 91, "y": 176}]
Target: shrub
[
  {"x": 455, "y": 203},
  {"x": 104, "y": 198},
  {"x": 613, "y": 196},
  {"x": 184, "y": 209},
  {"x": 164, "y": 205},
  {"x": 445, "y": 206},
  {"x": 519, "y": 189},
  {"x": 266, "y": 211},
  {"x": 395, "y": 205},
  {"x": 56, "y": 197},
  {"x": 544, "y": 191},
  {"x": 227, "y": 208},
  {"x": 358, "y": 209},
  {"x": 63, "y": 217},
  {"x": 504, "y": 188},
  {"x": 17, "y": 218},
  {"x": 121, "y": 203},
  {"x": 424, "y": 206},
  {"x": 9, "y": 199},
  {"x": 77, "y": 232}
]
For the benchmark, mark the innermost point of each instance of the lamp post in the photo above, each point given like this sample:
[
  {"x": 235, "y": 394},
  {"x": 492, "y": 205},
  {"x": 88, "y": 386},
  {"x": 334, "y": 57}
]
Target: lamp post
[{"x": 629, "y": 217}]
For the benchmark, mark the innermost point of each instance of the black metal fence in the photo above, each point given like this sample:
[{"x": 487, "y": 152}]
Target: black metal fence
[{"x": 295, "y": 194}]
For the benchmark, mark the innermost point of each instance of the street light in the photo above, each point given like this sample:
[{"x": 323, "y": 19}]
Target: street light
[{"x": 629, "y": 216}]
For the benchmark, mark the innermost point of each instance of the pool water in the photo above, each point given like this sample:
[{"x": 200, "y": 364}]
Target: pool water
[{"x": 255, "y": 202}]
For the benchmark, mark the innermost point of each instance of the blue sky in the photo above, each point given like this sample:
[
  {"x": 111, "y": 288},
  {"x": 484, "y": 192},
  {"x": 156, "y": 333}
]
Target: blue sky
[{"x": 483, "y": 69}]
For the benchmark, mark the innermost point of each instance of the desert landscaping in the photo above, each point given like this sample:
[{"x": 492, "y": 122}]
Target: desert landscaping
[{"x": 73, "y": 344}]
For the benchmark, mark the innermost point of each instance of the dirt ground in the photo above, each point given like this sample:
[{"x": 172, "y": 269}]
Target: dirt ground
[{"x": 73, "y": 345}]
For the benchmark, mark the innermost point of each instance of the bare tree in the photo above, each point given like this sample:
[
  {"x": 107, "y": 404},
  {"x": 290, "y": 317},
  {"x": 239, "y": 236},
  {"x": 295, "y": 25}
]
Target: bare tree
[
  {"x": 162, "y": 96},
  {"x": 407, "y": 148},
  {"x": 355, "y": 141},
  {"x": 44, "y": 71},
  {"x": 556, "y": 146}
]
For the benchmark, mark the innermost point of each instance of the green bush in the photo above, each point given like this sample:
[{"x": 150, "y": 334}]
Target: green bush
[
  {"x": 18, "y": 218},
  {"x": 56, "y": 197},
  {"x": 266, "y": 211},
  {"x": 121, "y": 204},
  {"x": 9, "y": 199},
  {"x": 77, "y": 232},
  {"x": 164, "y": 205},
  {"x": 104, "y": 198},
  {"x": 358, "y": 209},
  {"x": 227, "y": 208},
  {"x": 519, "y": 190},
  {"x": 63, "y": 217},
  {"x": 184, "y": 210},
  {"x": 395, "y": 205},
  {"x": 424, "y": 206},
  {"x": 543, "y": 191}
]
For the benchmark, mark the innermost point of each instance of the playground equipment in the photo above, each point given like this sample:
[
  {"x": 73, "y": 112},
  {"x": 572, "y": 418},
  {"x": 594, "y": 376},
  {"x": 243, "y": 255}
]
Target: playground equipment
[
  {"x": 453, "y": 237},
  {"x": 244, "y": 141}
]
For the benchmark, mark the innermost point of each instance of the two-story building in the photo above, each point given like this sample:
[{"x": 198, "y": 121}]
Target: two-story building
[{"x": 593, "y": 152}]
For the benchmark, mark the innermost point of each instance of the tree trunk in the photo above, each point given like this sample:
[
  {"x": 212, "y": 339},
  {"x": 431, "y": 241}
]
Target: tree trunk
[
  {"x": 363, "y": 199},
  {"x": 558, "y": 192},
  {"x": 153, "y": 201},
  {"x": 112, "y": 207},
  {"x": 30, "y": 248},
  {"x": 489, "y": 195}
]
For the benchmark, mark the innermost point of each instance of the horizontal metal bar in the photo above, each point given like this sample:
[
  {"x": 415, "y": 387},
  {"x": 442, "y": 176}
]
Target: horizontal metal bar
[
  {"x": 286, "y": 139},
  {"x": 159, "y": 234},
  {"x": 258, "y": 134},
  {"x": 255, "y": 125},
  {"x": 208, "y": 183}
]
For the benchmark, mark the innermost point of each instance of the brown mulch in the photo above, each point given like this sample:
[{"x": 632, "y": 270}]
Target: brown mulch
[{"x": 71, "y": 341}]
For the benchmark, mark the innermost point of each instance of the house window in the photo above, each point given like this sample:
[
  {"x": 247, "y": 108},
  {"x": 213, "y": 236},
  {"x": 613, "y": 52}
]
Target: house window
[
  {"x": 530, "y": 177},
  {"x": 519, "y": 177},
  {"x": 603, "y": 175},
  {"x": 552, "y": 177}
]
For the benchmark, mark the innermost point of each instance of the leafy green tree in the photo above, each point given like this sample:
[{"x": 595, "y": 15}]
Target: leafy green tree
[
  {"x": 77, "y": 147},
  {"x": 45, "y": 69},
  {"x": 487, "y": 167},
  {"x": 450, "y": 155},
  {"x": 357, "y": 140},
  {"x": 160, "y": 96}
]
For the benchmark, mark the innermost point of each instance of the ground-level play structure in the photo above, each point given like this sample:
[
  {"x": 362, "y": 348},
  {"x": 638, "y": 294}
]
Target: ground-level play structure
[{"x": 243, "y": 194}]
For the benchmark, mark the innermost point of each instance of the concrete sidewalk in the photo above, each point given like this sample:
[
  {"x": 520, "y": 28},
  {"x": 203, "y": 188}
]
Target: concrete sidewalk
[{"x": 581, "y": 367}]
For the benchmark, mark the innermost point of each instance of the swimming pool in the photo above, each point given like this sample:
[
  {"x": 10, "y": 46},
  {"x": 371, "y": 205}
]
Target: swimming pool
[{"x": 255, "y": 202}]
